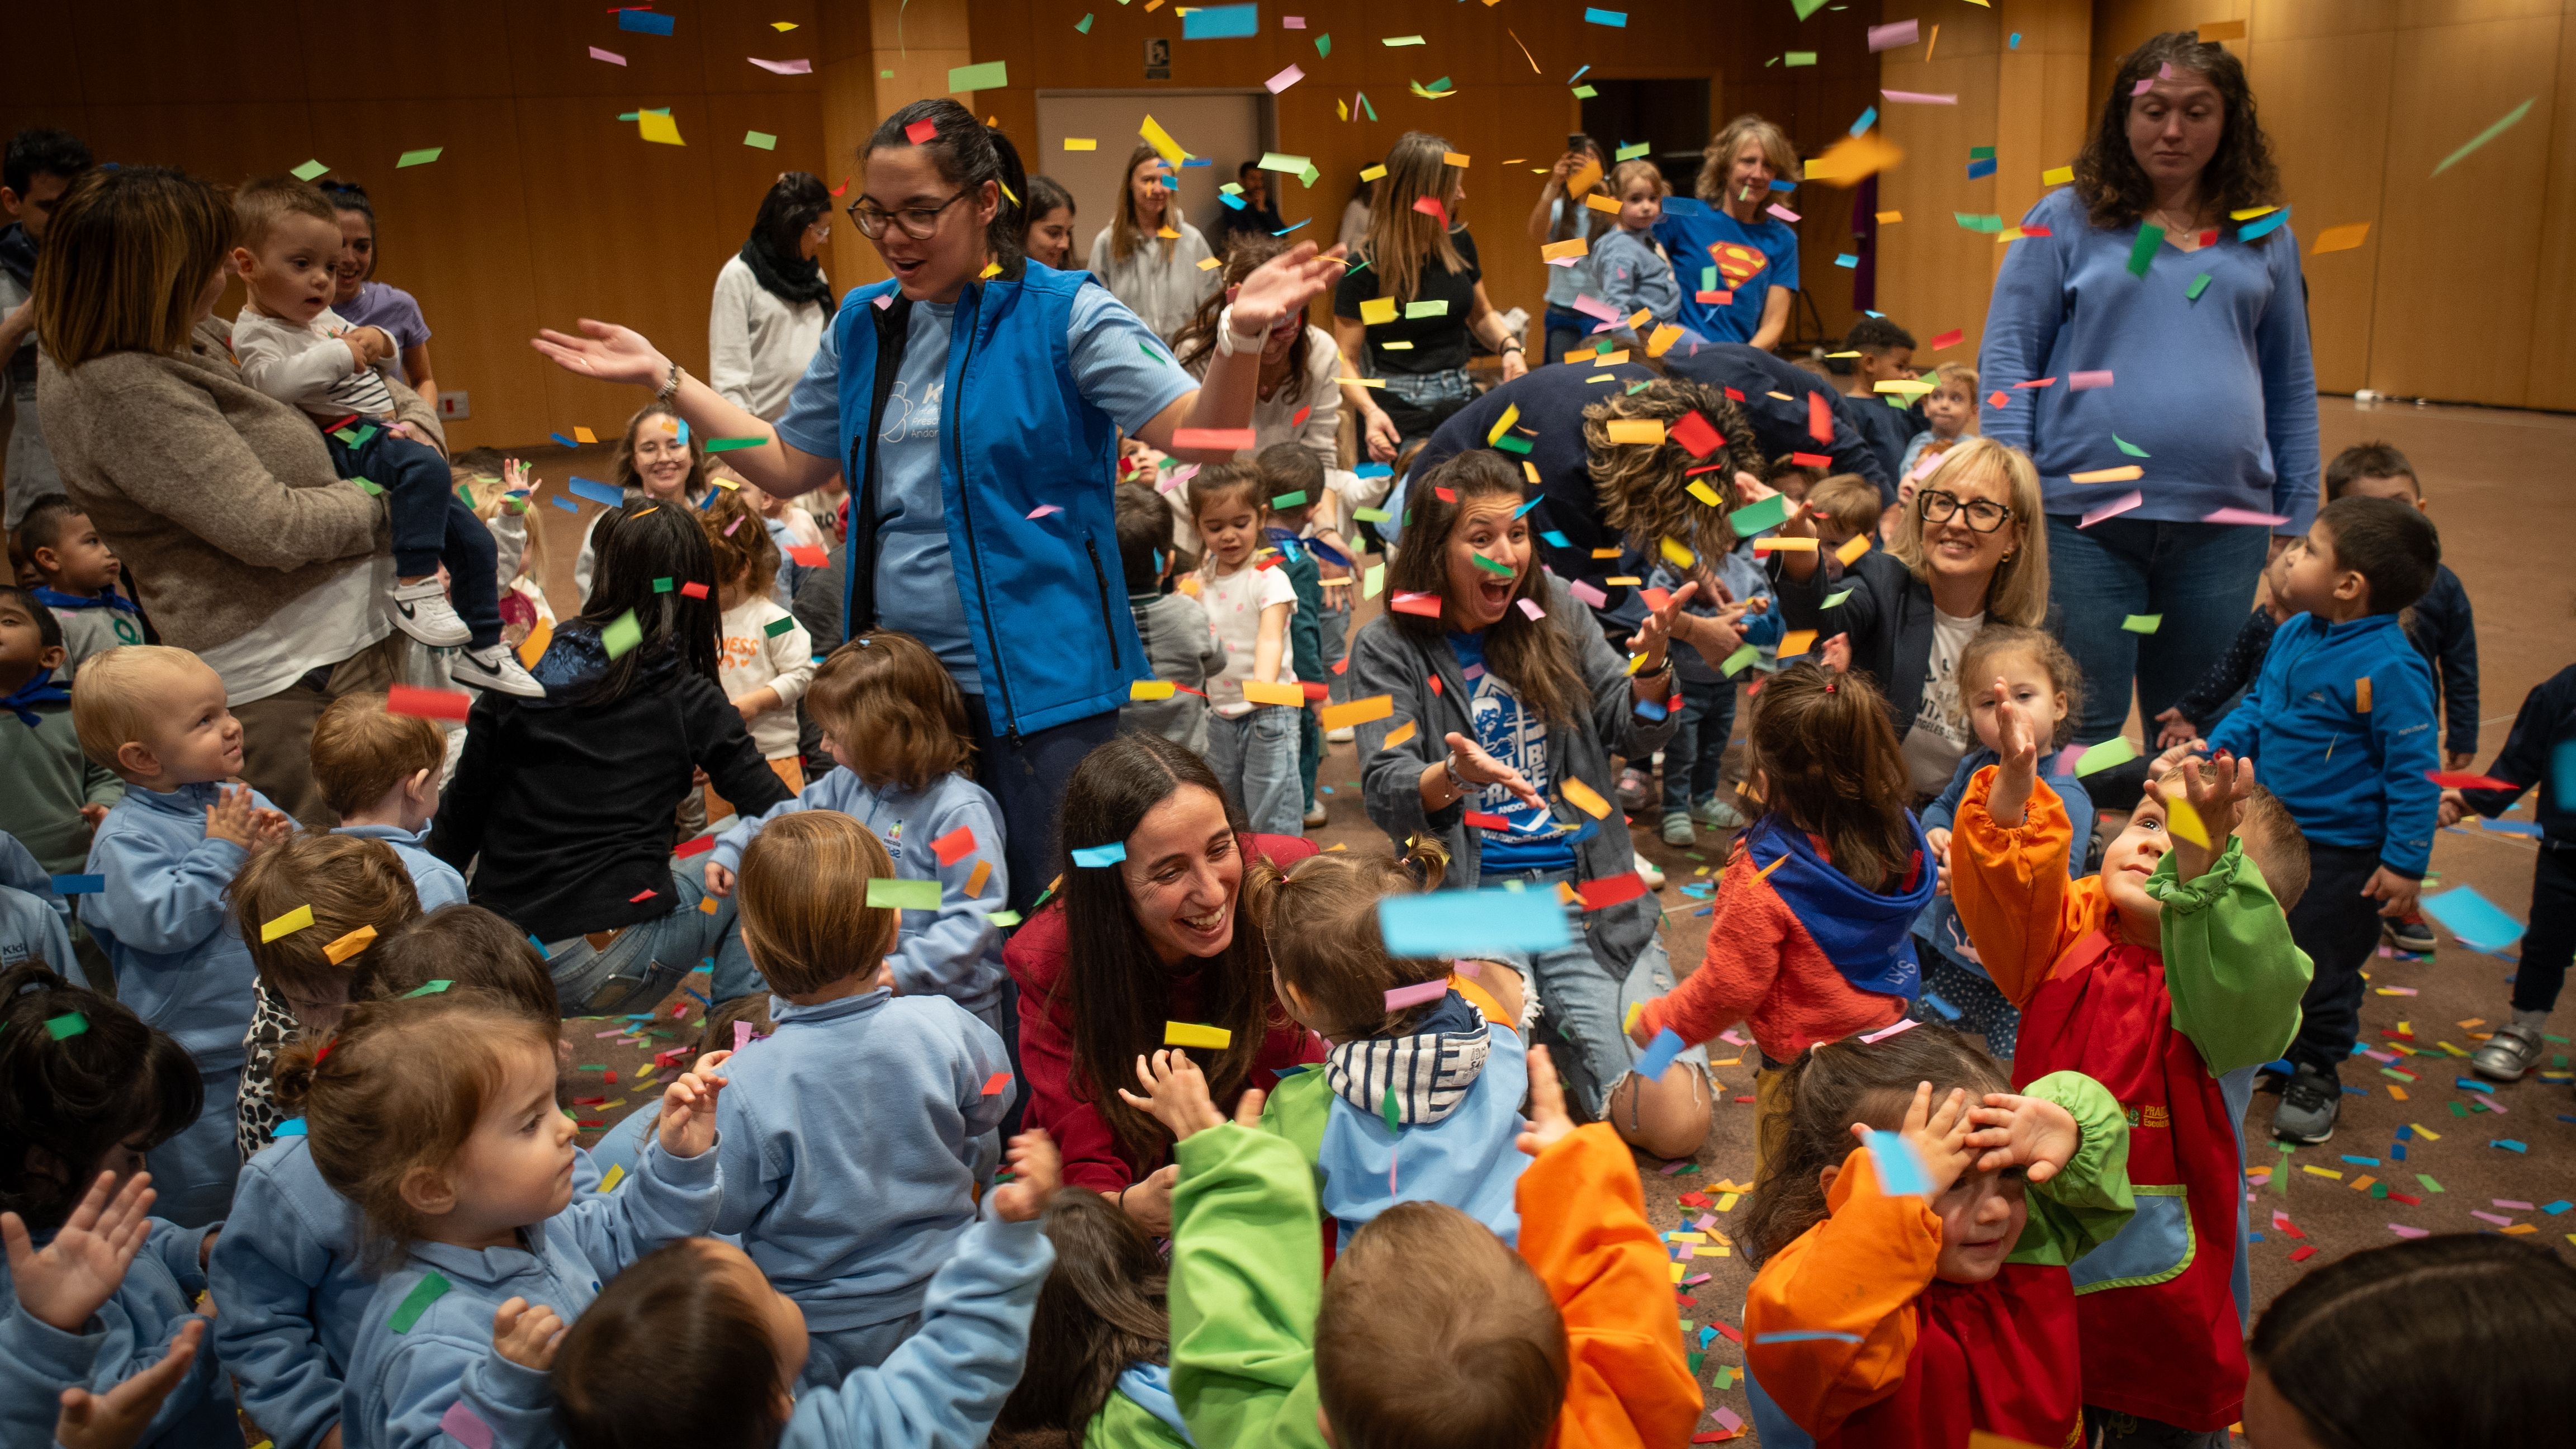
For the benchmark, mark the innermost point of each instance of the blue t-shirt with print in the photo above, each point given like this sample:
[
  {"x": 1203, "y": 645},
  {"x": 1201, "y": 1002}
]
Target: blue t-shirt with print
[
  {"x": 1119, "y": 366},
  {"x": 1687, "y": 231},
  {"x": 1511, "y": 733}
]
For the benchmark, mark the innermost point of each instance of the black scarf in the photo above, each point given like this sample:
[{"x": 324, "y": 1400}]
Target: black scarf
[
  {"x": 790, "y": 280},
  {"x": 18, "y": 254}
]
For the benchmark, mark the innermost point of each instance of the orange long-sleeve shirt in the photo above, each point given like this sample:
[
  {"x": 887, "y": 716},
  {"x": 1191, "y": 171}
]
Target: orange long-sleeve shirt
[
  {"x": 2010, "y": 886},
  {"x": 1764, "y": 970},
  {"x": 1584, "y": 1232}
]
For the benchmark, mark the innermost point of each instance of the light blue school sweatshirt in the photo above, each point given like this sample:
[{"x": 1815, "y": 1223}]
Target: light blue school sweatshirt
[
  {"x": 1633, "y": 275},
  {"x": 165, "y": 924},
  {"x": 32, "y": 926},
  {"x": 948, "y": 952},
  {"x": 435, "y": 881},
  {"x": 944, "y": 1387},
  {"x": 1465, "y": 1158},
  {"x": 848, "y": 1136},
  {"x": 2351, "y": 776},
  {"x": 402, "y": 1383},
  {"x": 286, "y": 1274},
  {"x": 130, "y": 1333}
]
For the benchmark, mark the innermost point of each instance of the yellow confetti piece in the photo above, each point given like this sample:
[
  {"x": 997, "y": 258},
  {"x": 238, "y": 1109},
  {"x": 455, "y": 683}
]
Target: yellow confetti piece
[
  {"x": 1662, "y": 339},
  {"x": 1586, "y": 799},
  {"x": 1162, "y": 142},
  {"x": 1676, "y": 1271},
  {"x": 1678, "y": 555},
  {"x": 1726, "y": 1202},
  {"x": 1890, "y": 218},
  {"x": 1398, "y": 735},
  {"x": 659, "y": 128},
  {"x": 2057, "y": 176},
  {"x": 1629, "y": 1022},
  {"x": 976, "y": 878},
  {"x": 1503, "y": 424},
  {"x": 1192, "y": 1034},
  {"x": 1646, "y": 431},
  {"x": 1797, "y": 642},
  {"x": 1082, "y": 143},
  {"x": 2122, "y": 474},
  {"x": 1705, "y": 494},
  {"x": 1150, "y": 689},
  {"x": 349, "y": 945},
  {"x": 2427, "y": 1133},
  {"x": 1372, "y": 173},
  {"x": 2182, "y": 820},
  {"x": 286, "y": 925},
  {"x": 2313, "y": 1170},
  {"x": 1453, "y": 158},
  {"x": 1852, "y": 550},
  {"x": 1209, "y": 264},
  {"x": 1377, "y": 311},
  {"x": 992, "y": 270}
]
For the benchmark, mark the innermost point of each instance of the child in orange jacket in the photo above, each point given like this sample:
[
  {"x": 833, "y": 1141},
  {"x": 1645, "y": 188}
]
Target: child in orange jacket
[
  {"x": 1911, "y": 1292},
  {"x": 2168, "y": 978}
]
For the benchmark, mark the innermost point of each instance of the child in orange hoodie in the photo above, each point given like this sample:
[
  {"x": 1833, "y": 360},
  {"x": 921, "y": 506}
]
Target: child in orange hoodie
[
  {"x": 2169, "y": 978},
  {"x": 1911, "y": 1292}
]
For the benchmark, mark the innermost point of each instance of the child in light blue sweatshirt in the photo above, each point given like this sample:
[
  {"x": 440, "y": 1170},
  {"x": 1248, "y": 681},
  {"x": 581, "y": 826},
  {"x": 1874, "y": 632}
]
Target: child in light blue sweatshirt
[
  {"x": 435, "y": 1114},
  {"x": 33, "y": 918},
  {"x": 694, "y": 1346},
  {"x": 379, "y": 771},
  {"x": 895, "y": 724},
  {"x": 854, "y": 1132},
  {"x": 168, "y": 850},
  {"x": 61, "y": 1044},
  {"x": 287, "y": 1269},
  {"x": 1629, "y": 263}
]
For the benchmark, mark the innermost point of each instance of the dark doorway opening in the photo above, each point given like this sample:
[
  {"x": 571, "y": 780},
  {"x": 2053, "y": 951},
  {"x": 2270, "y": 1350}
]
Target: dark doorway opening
[{"x": 1671, "y": 116}]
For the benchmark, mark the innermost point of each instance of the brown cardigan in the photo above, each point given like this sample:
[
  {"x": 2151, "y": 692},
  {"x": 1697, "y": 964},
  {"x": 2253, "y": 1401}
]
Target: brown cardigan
[{"x": 220, "y": 500}]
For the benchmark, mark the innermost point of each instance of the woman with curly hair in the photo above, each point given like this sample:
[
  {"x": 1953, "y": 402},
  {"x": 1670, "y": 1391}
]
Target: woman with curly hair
[{"x": 2168, "y": 267}]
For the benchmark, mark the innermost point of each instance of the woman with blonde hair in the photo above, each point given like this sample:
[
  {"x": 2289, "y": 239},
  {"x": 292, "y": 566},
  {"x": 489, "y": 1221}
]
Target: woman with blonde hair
[
  {"x": 1419, "y": 260},
  {"x": 1147, "y": 256},
  {"x": 1971, "y": 550},
  {"x": 1738, "y": 264}
]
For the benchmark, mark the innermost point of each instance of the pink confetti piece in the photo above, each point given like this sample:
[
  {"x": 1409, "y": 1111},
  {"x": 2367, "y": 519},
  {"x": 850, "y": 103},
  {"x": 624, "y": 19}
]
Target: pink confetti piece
[
  {"x": 1889, "y": 37},
  {"x": 783, "y": 67},
  {"x": 1727, "y": 1420},
  {"x": 885, "y": 301},
  {"x": 2036, "y": 382},
  {"x": 2506, "y": 1202},
  {"x": 612, "y": 57},
  {"x": 1531, "y": 608},
  {"x": 1285, "y": 79},
  {"x": 1043, "y": 509},
  {"x": 2140, "y": 88},
  {"x": 2112, "y": 509},
  {"x": 741, "y": 1035},
  {"x": 2496, "y": 1218},
  {"x": 2085, "y": 381},
  {"x": 1707, "y": 1223},
  {"x": 1585, "y": 594},
  {"x": 465, "y": 1426},
  {"x": 1416, "y": 994},
  {"x": 1669, "y": 1168},
  {"x": 1696, "y": 1280},
  {"x": 1729, "y": 1037},
  {"x": 1920, "y": 98},
  {"x": 612, "y": 1031},
  {"x": 1782, "y": 212},
  {"x": 1903, "y": 1025},
  {"x": 1292, "y": 22},
  {"x": 2493, "y": 1105},
  {"x": 2244, "y": 515},
  {"x": 1591, "y": 306},
  {"x": 2403, "y": 1231}
]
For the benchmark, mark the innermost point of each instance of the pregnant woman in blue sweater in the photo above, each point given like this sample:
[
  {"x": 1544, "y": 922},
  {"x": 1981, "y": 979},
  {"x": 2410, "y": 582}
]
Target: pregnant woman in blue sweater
[{"x": 2164, "y": 317}]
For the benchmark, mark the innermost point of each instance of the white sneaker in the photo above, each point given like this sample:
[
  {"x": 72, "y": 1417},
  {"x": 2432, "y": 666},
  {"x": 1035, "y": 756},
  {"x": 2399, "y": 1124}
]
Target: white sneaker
[
  {"x": 1340, "y": 735},
  {"x": 1650, "y": 873},
  {"x": 497, "y": 669},
  {"x": 422, "y": 611},
  {"x": 1315, "y": 810}
]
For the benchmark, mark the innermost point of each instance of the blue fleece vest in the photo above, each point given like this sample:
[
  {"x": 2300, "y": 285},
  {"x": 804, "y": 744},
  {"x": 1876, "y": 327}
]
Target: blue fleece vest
[{"x": 1045, "y": 603}]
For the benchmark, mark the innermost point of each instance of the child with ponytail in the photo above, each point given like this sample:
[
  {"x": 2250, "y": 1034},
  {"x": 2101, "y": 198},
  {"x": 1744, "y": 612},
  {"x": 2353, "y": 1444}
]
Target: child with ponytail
[
  {"x": 1812, "y": 938},
  {"x": 1913, "y": 1224},
  {"x": 1099, "y": 1372},
  {"x": 435, "y": 1114}
]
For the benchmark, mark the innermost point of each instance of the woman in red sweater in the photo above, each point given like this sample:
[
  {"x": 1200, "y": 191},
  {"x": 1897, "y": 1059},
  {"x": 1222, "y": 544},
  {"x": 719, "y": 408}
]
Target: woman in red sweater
[{"x": 1149, "y": 938}]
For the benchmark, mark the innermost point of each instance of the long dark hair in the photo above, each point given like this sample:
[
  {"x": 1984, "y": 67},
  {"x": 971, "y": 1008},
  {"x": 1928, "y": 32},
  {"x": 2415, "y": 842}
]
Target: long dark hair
[
  {"x": 1116, "y": 992},
  {"x": 791, "y": 204},
  {"x": 966, "y": 156},
  {"x": 2108, "y": 178},
  {"x": 1829, "y": 1088},
  {"x": 638, "y": 544},
  {"x": 1830, "y": 766},
  {"x": 350, "y": 196},
  {"x": 1196, "y": 341},
  {"x": 1101, "y": 1310},
  {"x": 68, "y": 1097},
  {"x": 1534, "y": 656},
  {"x": 2499, "y": 1319}
]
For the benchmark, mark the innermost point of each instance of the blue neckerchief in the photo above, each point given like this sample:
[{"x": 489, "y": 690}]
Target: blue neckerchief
[
  {"x": 1149, "y": 1386},
  {"x": 103, "y": 599},
  {"x": 1290, "y": 545},
  {"x": 1866, "y": 935},
  {"x": 39, "y": 690}
]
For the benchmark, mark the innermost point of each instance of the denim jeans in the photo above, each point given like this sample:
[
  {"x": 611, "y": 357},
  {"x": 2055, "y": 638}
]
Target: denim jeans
[
  {"x": 1581, "y": 1005},
  {"x": 432, "y": 526},
  {"x": 1333, "y": 625},
  {"x": 193, "y": 1171},
  {"x": 647, "y": 959},
  {"x": 1255, "y": 757},
  {"x": 2199, "y": 576},
  {"x": 1698, "y": 746}
]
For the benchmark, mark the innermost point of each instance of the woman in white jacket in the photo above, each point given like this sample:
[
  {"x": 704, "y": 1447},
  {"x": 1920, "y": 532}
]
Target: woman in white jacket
[
  {"x": 772, "y": 301},
  {"x": 1148, "y": 256}
]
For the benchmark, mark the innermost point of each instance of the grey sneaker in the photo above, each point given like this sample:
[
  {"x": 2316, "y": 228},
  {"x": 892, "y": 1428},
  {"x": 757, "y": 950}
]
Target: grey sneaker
[
  {"x": 2505, "y": 1056},
  {"x": 1718, "y": 813},
  {"x": 1677, "y": 828},
  {"x": 2310, "y": 1103},
  {"x": 1315, "y": 810},
  {"x": 1634, "y": 786}
]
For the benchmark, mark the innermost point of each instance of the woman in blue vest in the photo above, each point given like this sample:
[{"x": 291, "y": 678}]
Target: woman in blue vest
[{"x": 987, "y": 531}]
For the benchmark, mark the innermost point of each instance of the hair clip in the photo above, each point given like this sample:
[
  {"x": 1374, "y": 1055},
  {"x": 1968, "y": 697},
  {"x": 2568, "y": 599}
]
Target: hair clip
[{"x": 1829, "y": 686}]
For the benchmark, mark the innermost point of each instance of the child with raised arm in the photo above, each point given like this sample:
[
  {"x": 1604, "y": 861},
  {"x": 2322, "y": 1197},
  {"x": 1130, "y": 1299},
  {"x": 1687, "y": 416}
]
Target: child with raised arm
[
  {"x": 2168, "y": 977},
  {"x": 1430, "y": 1333}
]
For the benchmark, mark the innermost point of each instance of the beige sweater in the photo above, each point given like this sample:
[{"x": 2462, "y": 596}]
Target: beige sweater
[{"x": 221, "y": 501}]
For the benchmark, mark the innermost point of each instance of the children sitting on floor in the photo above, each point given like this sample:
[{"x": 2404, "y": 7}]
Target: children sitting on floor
[
  {"x": 80, "y": 574},
  {"x": 57, "y": 795}
]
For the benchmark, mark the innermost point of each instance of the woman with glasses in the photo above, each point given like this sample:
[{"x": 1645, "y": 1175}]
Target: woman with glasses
[
  {"x": 985, "y": 528},
  {"x": 1147, "y": 256},
  {"x": 2168, "y": 277},
  {"x": 772, "y": 299},
  {"x": 1969, "y": 552}
]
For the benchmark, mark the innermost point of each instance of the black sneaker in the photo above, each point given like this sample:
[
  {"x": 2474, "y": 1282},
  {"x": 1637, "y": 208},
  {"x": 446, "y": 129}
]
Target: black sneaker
[
  {"x": 2412, "y": 934},
  {"x": 2309, "y": 1105}
]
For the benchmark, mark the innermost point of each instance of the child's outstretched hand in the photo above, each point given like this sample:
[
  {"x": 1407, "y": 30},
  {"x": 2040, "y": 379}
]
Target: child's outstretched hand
[
  {"x": 1036, "y": 1172},
  {"x": 2026, "y": 1132},
  {"x": 2215, "y": 790},
  {"x": 1549, "y": 1122},
  {"x": 63, "y": 1283},
  {"x": 116, "y": 1419},
  {"x": 2017, "y": 736},
  {"x": 688, "y": 1125},
  {"x": 1176, "y": 1093},
  {"x": 527, "y": 1334},
  {"x": 232, "y": 817},
  {"x": 1938, "y": 1135},
  {"x": 2455, "y": 807}
]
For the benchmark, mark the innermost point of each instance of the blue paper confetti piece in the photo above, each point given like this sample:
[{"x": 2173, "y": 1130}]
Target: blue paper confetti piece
[
  {"x": 2479, "y": 923},
  {"x": 1460, "y": 923},
  {"x": 566, "y": 504},
  {"x": 2263, "y": 225},
  {"x": 1101, "y": 855},
  {"x": 2510, "y": 1145},
  {"x": 291, "y": 1127},
  {"x": 1868, "y": 118},
  {"x": 1650, "y": 709},
  {"x": 1659, "y": 1055},
  {"x": 1808, "y": 1335},
  {"x": 79, "y": 885},
  {"x": 1235, "y": 202},
  {"x": 1617, "y": 18},
  {"x": 1373, "y": 470},
  {"x": 2555, "y": 1208},
  {"x": 1221, "y": 22},
  {"x": 599, "y": 493},
  {"x": 1784, "y": 185},
  {"x": 560, "y": 438},
  {"x": 1554, "y": 539},
  {"x": 645, "y": 21},
  {"x": 1981, "y": 168},
  {"x": 1948, "y": 1012},
  {"x": 1846, "y": 259},
  {"x": 2562, "y": 773},
  {"x": 1900, "y": 1167}
]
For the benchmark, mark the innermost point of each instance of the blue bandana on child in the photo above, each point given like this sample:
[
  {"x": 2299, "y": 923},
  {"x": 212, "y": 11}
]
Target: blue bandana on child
[
  {"x": 36, "y": 691},
  {"x": 1429, "y": 1070},
  {"x": 103, "y": 599}
]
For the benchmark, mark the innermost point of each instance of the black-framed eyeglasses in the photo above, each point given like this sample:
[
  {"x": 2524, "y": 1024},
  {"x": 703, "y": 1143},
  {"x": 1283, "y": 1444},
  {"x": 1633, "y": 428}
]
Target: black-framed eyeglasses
[
  {"x": 1937, "y": 505},
  {"x": 918, "y": 222}
]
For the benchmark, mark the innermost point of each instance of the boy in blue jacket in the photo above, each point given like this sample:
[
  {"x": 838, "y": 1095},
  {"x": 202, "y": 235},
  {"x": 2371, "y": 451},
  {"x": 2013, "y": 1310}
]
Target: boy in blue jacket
[
  {"x": 2341, "y": 723},
  {"x": 168, "y": 850},
  {"x": 379, "y": 773}
]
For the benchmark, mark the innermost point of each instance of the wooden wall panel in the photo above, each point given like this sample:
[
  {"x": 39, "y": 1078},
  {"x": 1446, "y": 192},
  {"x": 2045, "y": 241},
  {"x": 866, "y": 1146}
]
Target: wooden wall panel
[
  {"x": 2553, "y": 315},
  {"x": 2329, "y": 152}
]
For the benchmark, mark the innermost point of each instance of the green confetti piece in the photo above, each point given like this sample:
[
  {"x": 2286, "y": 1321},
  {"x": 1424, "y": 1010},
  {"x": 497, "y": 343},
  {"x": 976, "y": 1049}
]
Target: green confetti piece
[
  {"x": 664, "y": 585},
  {"x": 903, "y": 895},
  {"x": 1393, "y": 1110},
  {"x": 2132, "y": 449},
  {"x": 2198, "y": 285},
  {"x": 1584, "y": 93},
  {"x": 2483, "y": 137},
  {"x": 1149, "y": 352},
  {"x": 1290, "y": 500},
  {"x": 1635, "y": 388},
  {"x": 1371, "y": 515},
  {"x": 1436, "y": 308},
  {"x": 992, "y": 75},
  {"x": 2142, "y": 252},
  {"x": 415, "y": 1303},
  {"x": 776, "y": 627},
  {"x": 369, "y": 487},
  {"x": 2142, "y": 623},
  {"x": 1981, "y": 153},
  {"x": 1798, "y": 58},
  {"x": 420, "y": 157},
  {"x": 2429, "y": 1184},
  {"x": 760, "y": 139},
  {"x": 1974, "y": 221},
  {"x": 309, "y": 170},
  {"x": 1736, "y": 662},
  {"x": 2116, "y": 750},
  {"x": 1752, "y": 518},
  {"x": 1003, "y": 918},
  {"x": 727, "y": 445},
  {"x": 64, "y": 1027},
  {"x": 1491, "y": 567},
  {"x": 433, "y": 988},
  {"x": 1084, "y": 24},
  {"x": 621, "y": 635},
  {"x": 1512, "y": 444},
  {"x": 1806, "y": 8},
  {"x": 1631, "y": 153},
  {"x": 1835, "y": 599},
  {"x": 1324, "y": 43},
  {"x": 2281, "y": 1175}
]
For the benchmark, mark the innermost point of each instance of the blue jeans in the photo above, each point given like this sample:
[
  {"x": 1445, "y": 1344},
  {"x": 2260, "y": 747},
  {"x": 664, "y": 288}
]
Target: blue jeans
[
  {"x": 1333, "y": 625},
  {"x": 2199, "y": 576},
  {"x": 1255, "y": 757},
  {"x": 432, "y": 526},
  {"x": 193, "y": 1171},
  {"x": 1581, "y": 1005},
  {"x": 647, "y": 959},
  {"x": 1698, "y": 746}
]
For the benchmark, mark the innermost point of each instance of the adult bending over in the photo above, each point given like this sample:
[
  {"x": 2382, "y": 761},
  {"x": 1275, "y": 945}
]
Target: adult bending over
[
  {"x": 772, "y": 298},
  {"x": 947, "y": 541},
  {"x": 1730, "y": 229},
  {"x": 243, "y": 542},
  {"x": 2205, "y": 369},
  {"x": 1154, "y": 936},
  {"x": 1148, "y": 256},
  {"x": 1505, "y": 707}
]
